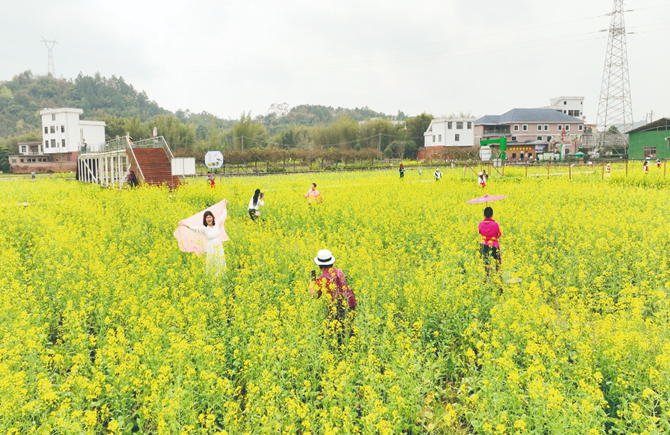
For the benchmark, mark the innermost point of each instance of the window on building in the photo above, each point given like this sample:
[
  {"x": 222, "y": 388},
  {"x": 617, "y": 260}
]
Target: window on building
[
  {"x": 23, "y": 149},
  {"x": 459, "y": 125},
  {"x": 53, "y": 143},
  {"x": 581, "y": 127},
  {"x": 546, "y": 127},
  {"x": 439, "y": 138},
  {"x": 650, "y": 152},
  {"x": 68, "y": 158},
  {"x": 548, "y": 138},
  {"x": 22, "y": 161},
  {"x": 530, "y": 155},
  {"x": 46, "y": 144},
  {"x": 514, "y": 155},
  {"x": 53, "y": 116},
  {"x": 63, "y": 145},
  {"x": 539, "y": 138},
  {"x": 539, "y": 127},
  {"x": 433, "y": 138},
  {"x": 62, "y": 129},
  {"x": 457, "y": 138},
  {"x": 559, "y": 127},
  {"x": 565, "y": 102},
  {"x": 46, "y": 130},
  {"x": 567, "y": 127},
  {"x": 521, "y": 155},
  {"x": 52, "y": 129},
  {"x": 469, "y": 125},
  {"x": 516, "y": 127},
  {"x": 524, "y": 127},
  {"x": 13, "y": 160},
  {"x": 449, "y": 125},
  {"x": 513, "y": 138}
]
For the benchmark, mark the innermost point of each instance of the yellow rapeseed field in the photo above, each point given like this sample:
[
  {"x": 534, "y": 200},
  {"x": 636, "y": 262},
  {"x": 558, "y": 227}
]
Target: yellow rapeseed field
[{"x": 106, "y": 327}]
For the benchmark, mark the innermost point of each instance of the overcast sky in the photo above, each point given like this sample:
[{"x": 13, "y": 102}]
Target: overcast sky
[{"x": 439, "y": 57}]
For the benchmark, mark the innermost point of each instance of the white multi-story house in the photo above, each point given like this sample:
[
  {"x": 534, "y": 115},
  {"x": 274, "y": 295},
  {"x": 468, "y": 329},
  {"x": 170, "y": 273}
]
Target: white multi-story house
[
  {"x": 63, "y": 136},
  {"x": 64, "y": 132},
  {"x": 449, "y": 132},
  {"x": 571, "y": 106}
]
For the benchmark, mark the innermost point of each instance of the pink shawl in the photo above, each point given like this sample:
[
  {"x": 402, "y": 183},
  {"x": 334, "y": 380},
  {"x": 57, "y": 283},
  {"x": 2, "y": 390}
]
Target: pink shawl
[{"x": 190, "y": 241}]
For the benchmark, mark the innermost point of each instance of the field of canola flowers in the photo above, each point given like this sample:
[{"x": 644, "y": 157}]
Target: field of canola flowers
[{"x": 106, "y": 327}]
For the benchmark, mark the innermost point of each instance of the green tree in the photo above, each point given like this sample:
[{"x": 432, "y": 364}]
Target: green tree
[
  {"x": 416, "y": 126},
  {"x": 343, "y": 132},
  {"x": 254, "y": 133},
  {"x": 4, "y": 159}
]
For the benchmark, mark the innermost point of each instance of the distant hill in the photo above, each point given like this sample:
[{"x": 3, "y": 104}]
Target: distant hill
[{"x": 25, "y": 95}]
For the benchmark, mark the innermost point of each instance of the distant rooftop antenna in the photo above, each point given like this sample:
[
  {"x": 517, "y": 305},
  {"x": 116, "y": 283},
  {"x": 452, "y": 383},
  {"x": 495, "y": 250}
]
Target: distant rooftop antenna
[
  {"x": 615, "y": 108},
  {"x": 50, "y": 46}
]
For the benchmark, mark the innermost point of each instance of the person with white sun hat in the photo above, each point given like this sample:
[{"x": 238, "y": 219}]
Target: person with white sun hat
[{"x": 342, "y": 303}]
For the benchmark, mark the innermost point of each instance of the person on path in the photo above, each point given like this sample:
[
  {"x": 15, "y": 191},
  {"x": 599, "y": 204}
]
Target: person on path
[
  {"x": 489, "y": 247},
  {"x": 313, "y": 196},
  {"x": 256, "y": 202},
  {"x": 482, "y": 179},
  {"x": 437, "y": 174},
  {"x": 212, "y": 229},
  {"x": 342, "y": 301},
  {"x": 402, "y": 171}
]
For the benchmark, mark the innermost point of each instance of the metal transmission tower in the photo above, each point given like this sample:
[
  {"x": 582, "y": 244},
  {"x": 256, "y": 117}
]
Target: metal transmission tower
[
  {"x": 615, "y": 108},
  {"x": 50, "y": 46}
]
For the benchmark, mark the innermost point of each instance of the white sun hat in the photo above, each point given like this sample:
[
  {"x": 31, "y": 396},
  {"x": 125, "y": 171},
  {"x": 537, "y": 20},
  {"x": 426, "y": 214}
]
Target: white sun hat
[{"x": 324, "y": 258}]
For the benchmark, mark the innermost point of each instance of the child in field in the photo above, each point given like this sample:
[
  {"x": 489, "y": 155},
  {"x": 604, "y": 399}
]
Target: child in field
[
  {"x": 645, "y": 167},
  {"x": 608, "y": 169},
  {"x": 482, "y": 179},
  {"x": 658, "y": 163},
  {"x": 437, "y": 174},
  {"x": 489, "y": 248}
]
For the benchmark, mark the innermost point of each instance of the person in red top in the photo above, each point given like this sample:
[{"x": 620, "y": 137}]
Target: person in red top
[
  {"x": 489, "y": 247},
  {"x": 342, "y": 303}
]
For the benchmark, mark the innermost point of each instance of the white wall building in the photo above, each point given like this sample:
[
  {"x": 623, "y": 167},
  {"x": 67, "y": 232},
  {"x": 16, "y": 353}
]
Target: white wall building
[
  {"x": 571, "y": 106},
  {"x": 64, "y": 132},
  {"x": 450, "y": 132}
]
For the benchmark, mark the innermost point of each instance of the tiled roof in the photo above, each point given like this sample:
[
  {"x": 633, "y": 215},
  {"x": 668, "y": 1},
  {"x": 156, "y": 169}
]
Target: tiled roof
[{"x": 528, "y": 116}]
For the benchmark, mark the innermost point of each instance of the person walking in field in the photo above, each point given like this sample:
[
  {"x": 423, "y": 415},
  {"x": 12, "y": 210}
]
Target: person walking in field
[
  {"x": 256, "y": 202},
  {"x": 489, "y": 247},
  {"x": 608, "y": 169},
  {"x": 313, "y": 196},
  {"x": 658, "y": 163},
  {"x": 341, "y": 299},
  {"x": 402, "y": 171},
  {"x": 645, "y": 166},
  {"x": 482, "y": 179},
  {"x": 214, "y": 232},
  {"x": 437, "y": 174}
]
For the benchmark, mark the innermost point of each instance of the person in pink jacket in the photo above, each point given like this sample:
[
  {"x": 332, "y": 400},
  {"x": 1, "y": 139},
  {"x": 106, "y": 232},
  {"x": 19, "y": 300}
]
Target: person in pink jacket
[{"x": 489, "y": 246}]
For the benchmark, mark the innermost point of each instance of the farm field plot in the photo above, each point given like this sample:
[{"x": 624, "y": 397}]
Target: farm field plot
[{"x": 107, "y": 327}]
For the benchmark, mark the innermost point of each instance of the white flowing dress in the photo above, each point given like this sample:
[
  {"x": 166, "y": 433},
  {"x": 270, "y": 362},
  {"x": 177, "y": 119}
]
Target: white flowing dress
[{"x": 216, "y": 260}]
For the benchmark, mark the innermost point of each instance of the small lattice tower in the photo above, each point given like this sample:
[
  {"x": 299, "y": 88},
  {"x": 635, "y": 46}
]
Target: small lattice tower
[
  {"x": 615, "y": 108},
  {"x": 50, "y": 45}
]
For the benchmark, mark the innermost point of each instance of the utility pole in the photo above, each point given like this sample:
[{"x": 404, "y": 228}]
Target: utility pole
[
  {"x": 50, "y": 46},
  {"x": 615, "y": 107},
  {"x": 379, "y": 145},
  {"x": 242, "y": 143}
]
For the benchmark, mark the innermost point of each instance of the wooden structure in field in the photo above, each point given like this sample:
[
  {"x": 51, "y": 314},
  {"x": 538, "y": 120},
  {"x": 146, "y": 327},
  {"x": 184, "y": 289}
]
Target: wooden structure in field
[{"x": 109, "y": 164}]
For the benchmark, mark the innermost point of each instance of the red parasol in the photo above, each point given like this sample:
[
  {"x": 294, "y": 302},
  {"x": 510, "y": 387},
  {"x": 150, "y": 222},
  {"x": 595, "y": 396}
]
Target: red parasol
[{"x": 485, "y": 198}]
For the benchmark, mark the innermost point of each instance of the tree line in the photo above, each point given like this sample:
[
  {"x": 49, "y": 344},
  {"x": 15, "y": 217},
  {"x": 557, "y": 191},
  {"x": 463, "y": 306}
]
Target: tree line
[{"x": 128, "y": 111}]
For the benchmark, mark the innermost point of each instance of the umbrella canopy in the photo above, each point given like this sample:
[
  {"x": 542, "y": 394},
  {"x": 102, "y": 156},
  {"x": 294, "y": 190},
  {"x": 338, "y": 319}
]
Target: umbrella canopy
[
  {"x": 485, "y": 198},
  {"x": 190, "y": 241}
]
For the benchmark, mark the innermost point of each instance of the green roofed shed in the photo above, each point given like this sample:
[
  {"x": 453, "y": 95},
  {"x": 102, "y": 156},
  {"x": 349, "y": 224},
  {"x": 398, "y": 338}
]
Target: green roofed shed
[{"x": 651, "y": 140}]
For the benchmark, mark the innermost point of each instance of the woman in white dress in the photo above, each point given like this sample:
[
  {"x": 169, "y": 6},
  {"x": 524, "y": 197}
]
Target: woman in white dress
[{"x": 211, "y": 229}]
